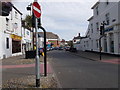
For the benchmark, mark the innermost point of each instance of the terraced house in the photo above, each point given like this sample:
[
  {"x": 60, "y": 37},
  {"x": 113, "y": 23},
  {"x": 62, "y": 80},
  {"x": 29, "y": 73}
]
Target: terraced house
[
  {"x": 10, "y": 30},
  {"x": 108, "y": 12}
]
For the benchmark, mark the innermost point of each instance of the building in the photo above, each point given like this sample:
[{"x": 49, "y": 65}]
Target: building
[
  {"x": 51, "y": 38},
  {"x": 76, "y": 39},
  {"x": 10, "y": 33},
  {"x": 26, "y": 40},
  {"x": 110, "y": 14}
]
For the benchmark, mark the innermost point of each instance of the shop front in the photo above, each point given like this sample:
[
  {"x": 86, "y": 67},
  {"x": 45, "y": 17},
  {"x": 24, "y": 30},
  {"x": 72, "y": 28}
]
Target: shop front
[{"x": 16, "y": 43}]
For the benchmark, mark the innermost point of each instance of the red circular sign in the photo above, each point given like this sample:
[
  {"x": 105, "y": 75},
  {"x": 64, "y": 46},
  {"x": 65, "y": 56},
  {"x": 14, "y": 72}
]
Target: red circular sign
[{"x": 36, "y": 10}]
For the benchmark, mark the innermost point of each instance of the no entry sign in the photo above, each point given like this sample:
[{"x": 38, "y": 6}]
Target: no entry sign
[{"x": 36, "y": 10}]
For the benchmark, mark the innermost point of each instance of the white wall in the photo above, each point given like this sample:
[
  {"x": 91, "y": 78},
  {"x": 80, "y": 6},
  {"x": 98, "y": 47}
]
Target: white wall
[
  {"x": 3, "y": 36},
  {"x": 7, "y": 33},
  {"x": 114, "y": 12}
]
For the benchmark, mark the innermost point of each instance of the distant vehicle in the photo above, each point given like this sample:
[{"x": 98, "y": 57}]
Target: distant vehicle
[
  {"x": 67, "y": 48},
  {"x": 73, "y": 50},
  {"x": 60, "y": 48},
  {"x": 48, "y": 49},
  {"x": 55, "y": 48}
]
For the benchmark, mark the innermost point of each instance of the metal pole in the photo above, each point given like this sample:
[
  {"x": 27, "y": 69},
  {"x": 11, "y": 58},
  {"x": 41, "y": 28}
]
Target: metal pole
[
  {"x": 100, "y": 47},
  {"x": 37, "y": 64},
  {"x": 37, "y": 59},
  {"x": 45, "y": 50}
]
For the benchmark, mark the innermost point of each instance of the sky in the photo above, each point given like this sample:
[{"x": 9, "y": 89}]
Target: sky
[{"x": 66, "y": 18}]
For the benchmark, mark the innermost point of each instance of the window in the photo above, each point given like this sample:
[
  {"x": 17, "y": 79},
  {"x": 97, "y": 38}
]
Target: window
[
  {"x": 15, "y": 14},
  {"x": 97, "y": 12},
  {"x": 97, "y": 44},
  {"x": 87, "y": 43},
  {"x": 27, "y": 32},
  {"x": 92, "y": 28},
  {"x": 97, "y": 26},
  {"x": 7, "y": 24},
  {"x": 7, "y": 43},
  {"x": 107, "y": 16}
]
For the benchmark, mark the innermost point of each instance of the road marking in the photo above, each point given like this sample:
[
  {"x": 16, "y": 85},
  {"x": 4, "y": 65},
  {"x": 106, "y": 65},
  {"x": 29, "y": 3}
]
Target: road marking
[
  {"x": 49, "y": 69},
  {"x": 114, "y": 61}
]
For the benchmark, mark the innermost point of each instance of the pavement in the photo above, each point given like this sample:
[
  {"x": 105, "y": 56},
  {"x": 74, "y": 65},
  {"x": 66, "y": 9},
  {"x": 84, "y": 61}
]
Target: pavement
[
  {"x": 18, "y": 72},
  {"x": 21, "y": 62},
  {"x": 108, "y": 58}
]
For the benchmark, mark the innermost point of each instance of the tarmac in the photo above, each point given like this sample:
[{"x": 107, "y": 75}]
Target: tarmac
[{"x": 18, "y": 62}]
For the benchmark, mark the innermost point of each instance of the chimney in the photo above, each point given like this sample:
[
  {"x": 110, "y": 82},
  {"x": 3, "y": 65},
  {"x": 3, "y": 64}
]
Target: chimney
[{"x": 79, "y": 34}]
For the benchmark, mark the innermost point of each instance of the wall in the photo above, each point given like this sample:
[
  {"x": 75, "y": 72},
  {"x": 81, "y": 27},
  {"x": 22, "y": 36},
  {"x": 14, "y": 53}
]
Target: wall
[
  {"x": 6, "y": 33},
  {"x": 91, "y": 43}
]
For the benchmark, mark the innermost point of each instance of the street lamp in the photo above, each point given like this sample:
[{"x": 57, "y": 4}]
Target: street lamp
[{"x": 102, "y": 31}]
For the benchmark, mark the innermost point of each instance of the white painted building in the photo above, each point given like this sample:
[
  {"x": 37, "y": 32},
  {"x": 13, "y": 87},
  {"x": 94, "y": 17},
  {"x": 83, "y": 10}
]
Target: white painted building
[
  {"x": 26, "y": 40},
  {"x": 108, "y": 12},
  {"x": 10, "y": 34}
]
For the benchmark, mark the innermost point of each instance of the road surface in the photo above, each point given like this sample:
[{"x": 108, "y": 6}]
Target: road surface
[{"x": 74, "y": 71}]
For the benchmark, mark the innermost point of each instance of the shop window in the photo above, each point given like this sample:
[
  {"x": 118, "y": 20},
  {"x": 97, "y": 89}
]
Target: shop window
[{"x": 7, "y": 43}]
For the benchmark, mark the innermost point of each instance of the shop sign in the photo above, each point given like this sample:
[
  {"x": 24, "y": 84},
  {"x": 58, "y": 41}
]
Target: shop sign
[
  {"x": 15, "y": 37},
  {"x": 108, "y": 29}
]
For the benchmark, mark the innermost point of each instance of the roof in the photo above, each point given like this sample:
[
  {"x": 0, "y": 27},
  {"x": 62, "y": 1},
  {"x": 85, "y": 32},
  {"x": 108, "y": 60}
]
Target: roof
[
  {"x": 17, "y": 10},
  {"x": 90, "y": 18},
  {"x": 95, "y": 5},
  {"x": 49, "y": 35},
  {"x": 78, "y": 37}
]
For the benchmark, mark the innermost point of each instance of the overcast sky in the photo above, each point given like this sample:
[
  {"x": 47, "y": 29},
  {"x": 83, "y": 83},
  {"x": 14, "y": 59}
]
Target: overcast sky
[{"x": 66, "y": 18}]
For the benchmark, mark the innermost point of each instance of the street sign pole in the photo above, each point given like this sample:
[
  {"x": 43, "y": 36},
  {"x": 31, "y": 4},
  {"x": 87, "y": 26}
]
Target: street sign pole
[
  {"x": 37, "y": 58},
  {"x": 37, "y": 64}
]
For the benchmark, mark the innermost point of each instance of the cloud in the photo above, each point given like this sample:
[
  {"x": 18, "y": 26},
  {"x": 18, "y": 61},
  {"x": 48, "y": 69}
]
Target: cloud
[{"x": 66, "y": 19}]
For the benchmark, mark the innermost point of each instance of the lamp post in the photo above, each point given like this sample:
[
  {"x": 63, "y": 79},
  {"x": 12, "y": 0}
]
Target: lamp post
[
  {"x": 32, "y": 30},
  {"x": 102, "y": 28}
]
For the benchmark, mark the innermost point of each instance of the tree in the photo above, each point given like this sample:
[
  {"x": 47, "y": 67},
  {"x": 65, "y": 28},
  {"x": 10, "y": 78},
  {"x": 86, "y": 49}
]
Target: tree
[
  {"x": 70, "y": 43},
  {"x": 27, "y": 22}
]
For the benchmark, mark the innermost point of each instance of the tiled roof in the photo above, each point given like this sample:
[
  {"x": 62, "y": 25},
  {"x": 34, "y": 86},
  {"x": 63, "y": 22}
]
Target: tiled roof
[
  {"x": 78, "y": 37},
  {"x": 49, "y": 35}
]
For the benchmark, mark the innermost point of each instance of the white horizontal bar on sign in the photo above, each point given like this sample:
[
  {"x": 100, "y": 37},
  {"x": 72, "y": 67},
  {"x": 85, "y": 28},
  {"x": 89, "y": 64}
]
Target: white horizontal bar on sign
[{"x": 36, "y": 9}]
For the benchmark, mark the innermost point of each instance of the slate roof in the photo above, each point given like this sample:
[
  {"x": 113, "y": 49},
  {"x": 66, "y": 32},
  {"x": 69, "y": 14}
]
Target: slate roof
[
  {"x": 49, "y": 35},
  {"x": 78, "y": 37}
]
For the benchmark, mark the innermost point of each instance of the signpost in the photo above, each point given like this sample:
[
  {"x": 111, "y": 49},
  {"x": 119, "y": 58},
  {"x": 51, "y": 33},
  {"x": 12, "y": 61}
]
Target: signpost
[
  {"x": 37, "y": 13},
  {"x": 36, "y": 10}
]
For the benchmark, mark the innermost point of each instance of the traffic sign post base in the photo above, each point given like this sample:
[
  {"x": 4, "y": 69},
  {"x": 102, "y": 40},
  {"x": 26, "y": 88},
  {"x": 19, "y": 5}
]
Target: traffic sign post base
[{"x": 37, "y": 82}]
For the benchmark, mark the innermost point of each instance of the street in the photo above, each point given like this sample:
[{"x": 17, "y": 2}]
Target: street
[{"x": 73, "y": 71}]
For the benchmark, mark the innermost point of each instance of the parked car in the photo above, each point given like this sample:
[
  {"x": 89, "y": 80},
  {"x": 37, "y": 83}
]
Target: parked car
[
  {"x": 73, "y": 50},
  {"x": 60, "y": 48},
  {"x": 67, "y": 48},
  {"x": 48, "y": 49}
]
